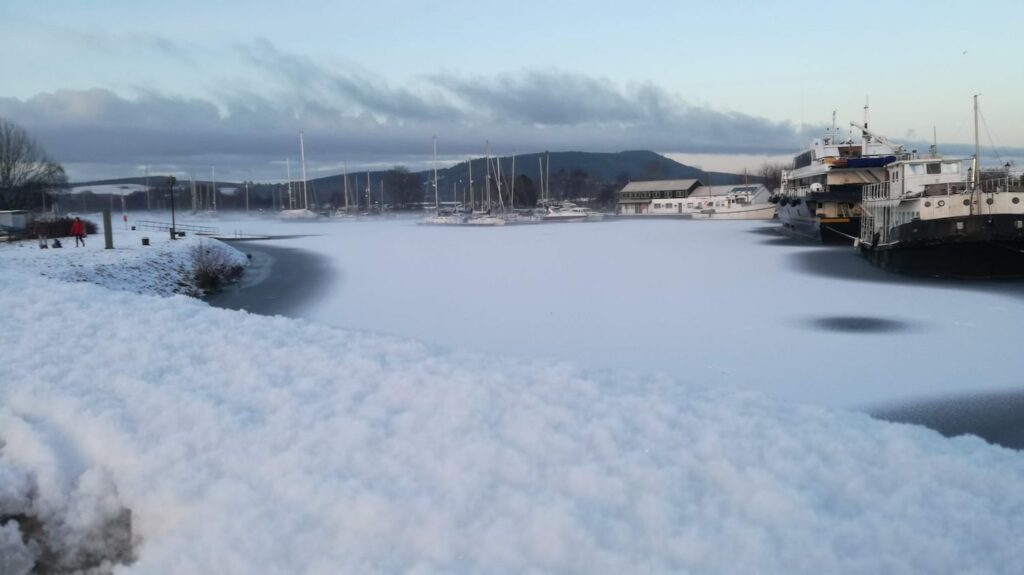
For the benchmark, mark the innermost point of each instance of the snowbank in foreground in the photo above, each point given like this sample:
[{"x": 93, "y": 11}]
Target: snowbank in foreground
[
  {"x": 162, "y": 268},
  {"x": 247, "y": 444}
]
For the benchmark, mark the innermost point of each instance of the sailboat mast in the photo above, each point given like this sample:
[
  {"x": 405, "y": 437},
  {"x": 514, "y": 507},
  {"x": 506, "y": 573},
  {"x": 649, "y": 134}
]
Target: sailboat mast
[
  {"x": 487, "y": 183},
  {"x": 213, "y": 187},
  {"x": 977, "y": 147},
  {"x": 547, "y": 177},
  {"x": 369, "y": 192},
  {"x": 344, "y": 177},
  {"x": 382, "y": 196},
  {"x": 302, "y": 152},
  {"x": 437, "y": 201},
  {"x": 497, "y": 179},
  {"x": 540, "y": 175},
  {"x": 512, "y": 187},
  {"x": 291, "y": 196},
  {"x": 472, "y": 200}
]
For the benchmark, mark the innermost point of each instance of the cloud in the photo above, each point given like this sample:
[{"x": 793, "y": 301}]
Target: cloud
[{"x": 349, "y": 111}]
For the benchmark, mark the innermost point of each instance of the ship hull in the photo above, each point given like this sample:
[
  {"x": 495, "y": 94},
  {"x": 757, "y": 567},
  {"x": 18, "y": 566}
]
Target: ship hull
[
  {"x": 744, "y": 213},
  {"x": 799, "y": 222},
  {"x": 982, "y": 247}
]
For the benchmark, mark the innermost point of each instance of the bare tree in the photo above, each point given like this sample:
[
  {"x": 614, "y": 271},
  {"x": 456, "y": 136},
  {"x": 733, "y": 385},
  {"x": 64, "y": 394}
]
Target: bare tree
[
  {"x": 26, "y": 171},
  {"x": 771, "y": 174}
]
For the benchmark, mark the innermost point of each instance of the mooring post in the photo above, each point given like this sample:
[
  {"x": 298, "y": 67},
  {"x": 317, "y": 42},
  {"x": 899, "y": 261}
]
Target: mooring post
[{"x": 108, "y": 230}]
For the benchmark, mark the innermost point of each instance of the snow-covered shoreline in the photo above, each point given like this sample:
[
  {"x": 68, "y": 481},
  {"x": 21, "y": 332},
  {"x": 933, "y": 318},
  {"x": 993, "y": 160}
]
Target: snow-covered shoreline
[
  {"x": 164, "y": 267},
  {"x": 245, "y": 444}
]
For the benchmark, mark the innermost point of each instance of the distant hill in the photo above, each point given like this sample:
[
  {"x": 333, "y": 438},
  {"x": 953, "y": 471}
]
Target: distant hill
[{"x": 635, "y": 165}]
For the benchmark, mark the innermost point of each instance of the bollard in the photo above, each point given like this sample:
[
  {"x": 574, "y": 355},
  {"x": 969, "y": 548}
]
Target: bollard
[{"x": 108, "y": 230}]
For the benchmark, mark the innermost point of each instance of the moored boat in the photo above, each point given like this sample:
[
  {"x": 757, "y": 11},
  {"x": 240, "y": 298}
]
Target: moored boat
[
  {"x": 820, "y": 197},
  {"x": 945, "y": 217}
]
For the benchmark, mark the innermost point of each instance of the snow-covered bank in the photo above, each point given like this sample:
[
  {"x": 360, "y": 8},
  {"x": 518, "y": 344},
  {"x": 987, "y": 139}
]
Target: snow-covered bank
[
  {"x": 248, "y": 444},
  {"x": 164, "y": 267}
]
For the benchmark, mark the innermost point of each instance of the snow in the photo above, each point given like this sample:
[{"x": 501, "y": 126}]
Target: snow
[
  {"x": 249, "y": 444},
  {"x": 162, "y": 268},
  {"x": 236, "y": 443},
  {"x": 716, "y": 303}
]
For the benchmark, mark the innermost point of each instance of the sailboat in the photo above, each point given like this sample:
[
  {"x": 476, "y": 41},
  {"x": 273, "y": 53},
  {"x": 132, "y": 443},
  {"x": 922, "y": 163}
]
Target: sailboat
[
  {"x": 343, "y": 212},
  {"x": 484, "y": 217},
  {"x": 299, "y": 213},
  {"x": 442, "y": 218}
]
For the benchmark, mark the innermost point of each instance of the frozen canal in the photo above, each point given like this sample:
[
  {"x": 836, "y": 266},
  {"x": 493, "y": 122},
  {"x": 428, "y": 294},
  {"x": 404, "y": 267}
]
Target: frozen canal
[{"x": 710, "y": 302}]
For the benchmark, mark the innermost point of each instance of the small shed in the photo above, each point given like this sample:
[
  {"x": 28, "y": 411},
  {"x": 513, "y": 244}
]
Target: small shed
[{"x": 15, "y": 220}]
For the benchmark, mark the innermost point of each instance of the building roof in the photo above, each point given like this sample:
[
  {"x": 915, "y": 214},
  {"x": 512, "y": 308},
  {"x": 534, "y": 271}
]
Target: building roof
[
  {"x": 661, "y": 185},
  {"x": 705, "y": 191}
]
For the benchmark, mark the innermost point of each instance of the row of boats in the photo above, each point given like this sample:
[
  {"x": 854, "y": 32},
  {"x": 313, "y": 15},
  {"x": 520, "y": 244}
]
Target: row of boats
[
  {"x": 919, "y": 214},
  {"x": 495, "y": 211}
]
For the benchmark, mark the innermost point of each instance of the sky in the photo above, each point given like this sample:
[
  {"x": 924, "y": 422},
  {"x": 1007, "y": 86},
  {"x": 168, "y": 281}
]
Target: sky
[{"x": 111, "y": 86}]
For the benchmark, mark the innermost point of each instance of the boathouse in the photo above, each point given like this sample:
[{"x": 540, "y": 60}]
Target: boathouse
[{"x": 636, "y": 197}]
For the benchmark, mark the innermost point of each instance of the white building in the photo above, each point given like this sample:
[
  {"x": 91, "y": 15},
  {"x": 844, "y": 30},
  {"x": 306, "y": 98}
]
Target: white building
[
  {"x": 706, "y": 197},
  {"x": 636, "y": 197},
  {"x": 15, "y": 220}
]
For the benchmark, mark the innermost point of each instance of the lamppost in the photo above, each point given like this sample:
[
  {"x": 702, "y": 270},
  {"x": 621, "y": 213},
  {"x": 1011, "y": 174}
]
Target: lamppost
[
  {"x": 247, "y": 191},
  {"x": 170, "y": 184}
]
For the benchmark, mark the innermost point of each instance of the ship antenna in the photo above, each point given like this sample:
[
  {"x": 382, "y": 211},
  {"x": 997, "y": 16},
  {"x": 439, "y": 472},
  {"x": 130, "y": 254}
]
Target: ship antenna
[{"x": 864, "y": 133}]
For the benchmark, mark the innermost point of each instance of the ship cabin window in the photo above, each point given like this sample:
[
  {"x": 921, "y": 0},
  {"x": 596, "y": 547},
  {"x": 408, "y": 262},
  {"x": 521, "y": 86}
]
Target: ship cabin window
[
  {"x": 934, "y": 168},
  {"x": 915, "y": 169},
  {"x": 950, "y": 167}
]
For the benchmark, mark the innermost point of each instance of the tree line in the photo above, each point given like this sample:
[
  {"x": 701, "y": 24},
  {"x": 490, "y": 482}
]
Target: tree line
[{"x": 27, "y": 173}]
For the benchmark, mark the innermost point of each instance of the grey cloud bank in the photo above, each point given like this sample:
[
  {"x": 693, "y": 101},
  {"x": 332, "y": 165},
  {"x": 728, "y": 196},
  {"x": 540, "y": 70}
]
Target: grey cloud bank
[{"x": 351, "y": 114}]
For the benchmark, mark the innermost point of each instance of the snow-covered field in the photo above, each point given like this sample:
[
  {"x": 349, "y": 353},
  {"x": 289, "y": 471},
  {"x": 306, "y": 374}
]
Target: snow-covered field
[
  {"x": 707, "y": 302},
  {"x": 238, "y": 443}
]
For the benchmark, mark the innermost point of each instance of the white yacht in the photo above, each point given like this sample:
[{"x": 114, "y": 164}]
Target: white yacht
[{"x": 569, "y": 212}]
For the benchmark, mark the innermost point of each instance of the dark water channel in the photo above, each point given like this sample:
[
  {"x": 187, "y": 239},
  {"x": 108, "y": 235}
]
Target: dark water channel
[{"x": 277, "y": 281}]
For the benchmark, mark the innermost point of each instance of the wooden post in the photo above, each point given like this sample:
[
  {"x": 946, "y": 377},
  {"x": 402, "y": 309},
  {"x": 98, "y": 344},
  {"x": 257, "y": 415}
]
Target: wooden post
[{"x": 108, "y": 230}]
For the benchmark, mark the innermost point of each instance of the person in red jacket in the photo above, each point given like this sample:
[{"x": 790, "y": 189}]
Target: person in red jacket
[{"x": 78, "y": 231}]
